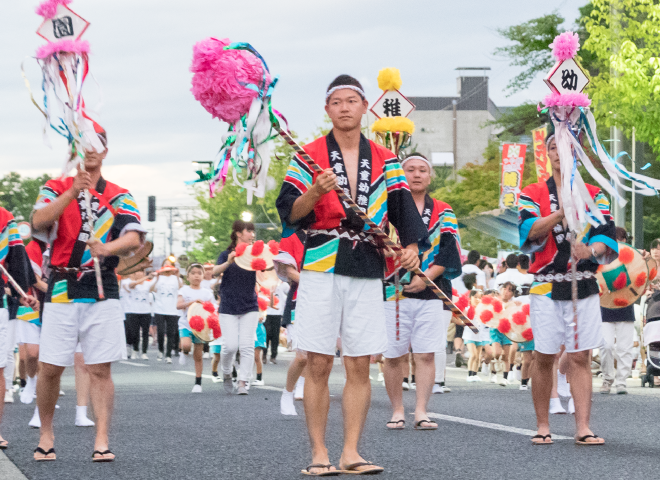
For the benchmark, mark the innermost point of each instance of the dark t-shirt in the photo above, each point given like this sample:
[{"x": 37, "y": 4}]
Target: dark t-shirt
[
  {"x": 626, "y": 314},
  {"x": 237, "y": 294}
]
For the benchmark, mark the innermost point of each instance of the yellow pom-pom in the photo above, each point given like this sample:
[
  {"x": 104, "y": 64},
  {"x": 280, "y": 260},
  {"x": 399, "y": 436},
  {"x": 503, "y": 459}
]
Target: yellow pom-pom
[
  {"x": 393, "y": 124},
  {"x": 389, "y": 79}
]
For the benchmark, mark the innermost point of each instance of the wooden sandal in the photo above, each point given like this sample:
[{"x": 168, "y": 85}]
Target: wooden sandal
[
  {"x": 543, "y": 439},
  {"x": 583, "y": 440},
  {"x": 327, "y": 473},
  {"x": 45, "y": 457},
  {"x": 102, "y": 458},
  {"x": 351, "y": 469},
  {"x": 396, "y": 423}
]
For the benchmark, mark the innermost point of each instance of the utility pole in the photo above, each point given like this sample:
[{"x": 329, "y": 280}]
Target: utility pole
[
  {"x": 455, "y": 139},
  {"x": 637, "y": 203}
]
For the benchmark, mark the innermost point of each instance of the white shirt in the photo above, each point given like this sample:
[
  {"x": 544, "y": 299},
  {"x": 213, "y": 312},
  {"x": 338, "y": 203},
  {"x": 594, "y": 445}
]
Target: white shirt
[
  {"x": 140, "y": 298},
  {"x": 125, "y": 295},
  {"x": 210, "y": 284},
  {"x": 165, "y": 295},
  {"x": 281, "y": 292},
  {"x": 458, "y": 284},
  {"x": 189, "y": 294},
  {"x": 514, "y": 276}
]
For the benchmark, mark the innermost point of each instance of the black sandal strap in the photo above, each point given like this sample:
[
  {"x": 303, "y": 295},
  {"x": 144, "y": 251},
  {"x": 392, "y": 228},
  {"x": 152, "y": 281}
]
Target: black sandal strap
[
  {"x": 44, "y": 452},
  {"x": 394, "y": 422},
  {"x": 417, "y": 424},
  {"x": 353, "y": 466},
  {"x": 318, "y": 465},
  {"x": 542, "y": 436},
  {"x": 582, "y": 439},
  {"x": 99, "y": 452}
]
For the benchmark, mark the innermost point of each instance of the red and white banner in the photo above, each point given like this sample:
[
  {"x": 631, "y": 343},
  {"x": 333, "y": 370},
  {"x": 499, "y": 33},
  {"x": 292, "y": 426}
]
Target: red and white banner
[
  {"x": 513, "y": 165},
  {"x": 543, "y": 167}
]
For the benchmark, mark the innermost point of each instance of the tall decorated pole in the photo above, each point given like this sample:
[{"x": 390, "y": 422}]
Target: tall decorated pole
[
  {"x": 577, "y": 144},
  {"x": 64, "y": 63},
  {"x": 393, "y": 129}
]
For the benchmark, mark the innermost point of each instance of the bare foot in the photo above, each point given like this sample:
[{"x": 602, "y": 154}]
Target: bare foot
[
  {"x": 320, "y": 464},
  {"x": 397, "y": 422},
  {"x": 587, "y": 437}
]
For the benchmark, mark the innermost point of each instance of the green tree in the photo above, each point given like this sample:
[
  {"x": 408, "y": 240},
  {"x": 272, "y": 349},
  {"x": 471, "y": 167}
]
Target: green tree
[
  {"x": 625, "y": 36},
  {"x": 19, "y": 194},
  {"x": 530, "y": 48}
]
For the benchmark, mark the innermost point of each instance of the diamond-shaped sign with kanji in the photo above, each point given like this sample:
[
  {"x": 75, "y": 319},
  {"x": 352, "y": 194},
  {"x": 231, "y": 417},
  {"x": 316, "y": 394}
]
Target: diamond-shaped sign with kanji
[
  {"x": 65, "y": 25},
  {"x": 392, "y": 104},
  {"x": 567, "y": 77}
]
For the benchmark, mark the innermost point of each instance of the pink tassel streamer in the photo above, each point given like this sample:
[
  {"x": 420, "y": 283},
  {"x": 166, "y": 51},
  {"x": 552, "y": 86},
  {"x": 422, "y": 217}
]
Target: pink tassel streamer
[
  {"x": 567, "y": 100},
  {"x": 70, "y": 46},
  {"x": 48, "y": 8},
  {"x": 217, "y": 73},
  {"x": 565, "y": 46}
]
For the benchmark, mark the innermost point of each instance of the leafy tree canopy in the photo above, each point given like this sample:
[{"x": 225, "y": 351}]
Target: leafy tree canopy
[{"x": 19, "y": 194}]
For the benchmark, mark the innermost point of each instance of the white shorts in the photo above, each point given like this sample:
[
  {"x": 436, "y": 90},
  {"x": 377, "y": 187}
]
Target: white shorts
[
  {"x": 4, "y": 336},
  {"x": 27, "y": 332},
  {"x": 98, "y": 326},
  {"x": 422, "y": 326},
  {"x": 330, "y": 305},
  {"x": 552, "y": 324}
]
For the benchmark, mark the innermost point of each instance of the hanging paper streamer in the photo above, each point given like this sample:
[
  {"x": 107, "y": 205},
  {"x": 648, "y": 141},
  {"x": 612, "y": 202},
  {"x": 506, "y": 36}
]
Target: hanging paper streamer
[
  {"x": 231, "y": 79},
  {"x": 576, "y": 140}
]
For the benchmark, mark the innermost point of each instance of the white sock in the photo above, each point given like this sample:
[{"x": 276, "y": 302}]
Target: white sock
[
  {"x": 35, "y": 422},
  {"x": 81, "y": 411},
  {"x": 286, "y": 403}
]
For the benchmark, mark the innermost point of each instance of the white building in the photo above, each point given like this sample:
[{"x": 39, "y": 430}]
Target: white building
[{"x": 443, "y": 138}]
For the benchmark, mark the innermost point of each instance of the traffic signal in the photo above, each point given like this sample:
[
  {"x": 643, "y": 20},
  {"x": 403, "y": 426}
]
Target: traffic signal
[{"x": 152, "y": 209}]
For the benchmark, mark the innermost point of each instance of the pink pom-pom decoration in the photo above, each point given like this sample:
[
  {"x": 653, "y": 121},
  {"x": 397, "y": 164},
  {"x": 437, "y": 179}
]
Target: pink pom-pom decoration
[
  {"x": 240, "y": 249},
  {"x": 565, "y": 46},
  {"x": 209, "y": 307},
  {"x": 454, "y": 292},
  {"x": 519, "y": 318},
  {"x": 69, "y": 46},
  {"x": 258, "y": 264},
  {"x": 567, "y": 100},
  {"x": 486, "y": 316},
  {"x": 257, "y": 248},
  {"x": 214, "y": 324},
  {"x": 525, "y": 309},
  {"x": 528, "y": 335},
  {"x": 462, "y": 303},
  {"x": 274, "y": 247},
  {"x": 196, "y": 323},
  {"x": 48, "y": 9},
  {"x": 470, "y": 313},
  {"x": 504, "y": 326},
  {"x": 497, "y": 305},
  {"x": 218, "y": 75},
  {"x": 487, "y": 300},
  {"x": 263, "y": 303}
]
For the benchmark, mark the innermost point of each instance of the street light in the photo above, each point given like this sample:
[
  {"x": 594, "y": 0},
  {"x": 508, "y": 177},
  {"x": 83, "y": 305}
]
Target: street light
[{"x": 246, "y": 216}]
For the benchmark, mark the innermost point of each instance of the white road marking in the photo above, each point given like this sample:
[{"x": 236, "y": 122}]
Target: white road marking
[
  {"x": 267, "y": 387},
  {"x": 132, "y": 363},
  {"x": 192, "y": 374},
  {"x": 492, "y": 426}
]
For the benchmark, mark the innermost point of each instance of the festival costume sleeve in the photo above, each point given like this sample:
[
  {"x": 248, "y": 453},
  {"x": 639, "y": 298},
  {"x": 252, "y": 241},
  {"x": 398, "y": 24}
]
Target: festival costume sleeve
[
  {"x": 449, "y": 254},
  {"x": 127, "y": 218},
  {"x": 47, "y": 195},
  {"x": 401, "y": 209},
  {"x": 604, "y": 233},
  {"x": 529, "y": 211},
  {"x": 13, "y": 255},
  {"x": 297, "y": 181}
]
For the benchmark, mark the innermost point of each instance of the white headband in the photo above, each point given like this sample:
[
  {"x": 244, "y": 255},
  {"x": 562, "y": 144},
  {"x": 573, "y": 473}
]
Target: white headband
[
  {"x": 550, "y": 138},
  {"x": 339, "y": 87},
  {"x": 416, "y": 157}
]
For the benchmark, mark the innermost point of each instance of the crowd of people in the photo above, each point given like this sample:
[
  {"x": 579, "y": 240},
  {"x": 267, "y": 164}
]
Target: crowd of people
[{"x": 329, "y": 297}]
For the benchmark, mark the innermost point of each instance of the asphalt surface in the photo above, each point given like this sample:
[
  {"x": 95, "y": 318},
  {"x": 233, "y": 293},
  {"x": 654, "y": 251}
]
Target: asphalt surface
[{"x": 160, "y": 430}]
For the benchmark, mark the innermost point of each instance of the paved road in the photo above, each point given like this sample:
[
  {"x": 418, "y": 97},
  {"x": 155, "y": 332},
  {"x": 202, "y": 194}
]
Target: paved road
[{"x": 162, "y": 431}]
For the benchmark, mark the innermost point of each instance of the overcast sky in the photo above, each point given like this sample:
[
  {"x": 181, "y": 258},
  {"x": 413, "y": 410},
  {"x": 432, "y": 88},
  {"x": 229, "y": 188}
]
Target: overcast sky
[{"x": 141, "y": 52}]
